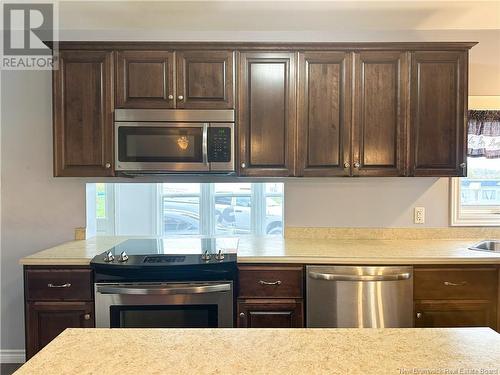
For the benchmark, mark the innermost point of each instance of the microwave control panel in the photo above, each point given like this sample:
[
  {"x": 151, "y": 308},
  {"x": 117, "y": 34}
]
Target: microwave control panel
[{"x": 219, "y": 144}]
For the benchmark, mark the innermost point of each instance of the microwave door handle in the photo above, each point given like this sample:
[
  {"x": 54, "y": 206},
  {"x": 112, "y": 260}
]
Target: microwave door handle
[
  {"x": 205, "y": 143},
  {"x": 164, "y": 289}
]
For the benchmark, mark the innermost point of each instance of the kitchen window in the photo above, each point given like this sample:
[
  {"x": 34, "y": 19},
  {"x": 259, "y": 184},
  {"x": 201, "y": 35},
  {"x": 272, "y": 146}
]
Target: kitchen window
[
  {"x": 475, "y": 199},
  {"x": 189, "y": 209}
]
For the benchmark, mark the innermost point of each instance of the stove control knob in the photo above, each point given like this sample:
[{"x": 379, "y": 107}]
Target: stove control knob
[
  {"x": 219, "y": 256},
  {"x": 206, "y": 256},
  {"x": 109, "y": 257},
  {"x": 123, "y": 257}
]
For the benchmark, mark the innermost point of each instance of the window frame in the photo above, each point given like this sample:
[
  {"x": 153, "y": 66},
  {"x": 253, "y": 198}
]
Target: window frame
[{"x": 483, "y": 216}]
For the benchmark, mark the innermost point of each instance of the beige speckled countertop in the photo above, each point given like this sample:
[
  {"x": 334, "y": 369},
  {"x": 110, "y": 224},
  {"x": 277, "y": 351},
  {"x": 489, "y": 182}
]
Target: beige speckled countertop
[
  {"x": 269, "y": 351},
  {"x": 296, "y": 250}
]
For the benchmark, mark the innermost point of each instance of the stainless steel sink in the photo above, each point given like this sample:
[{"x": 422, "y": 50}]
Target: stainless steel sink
[{"x": 488, "y": 245}]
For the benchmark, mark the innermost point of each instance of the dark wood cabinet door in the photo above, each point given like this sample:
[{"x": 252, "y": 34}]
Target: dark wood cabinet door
[
  {"x": 267, "y": 313},
  {"x": 83, "y": 114},
  {"x": 455, "y": 313},
  {"x": 205, "y": 79},
  {"x": 145, "y": 79},
  {"x": 324, "y": 114},
  {"x": 438, "y": 102},
  {"x": 46, "y": 320},
  {"x": 380, "y": 102},
  {"x": 267, "y": 113}
]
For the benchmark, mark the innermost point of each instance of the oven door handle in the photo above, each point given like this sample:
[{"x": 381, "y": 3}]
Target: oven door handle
[{"x": 163, "y": 289}]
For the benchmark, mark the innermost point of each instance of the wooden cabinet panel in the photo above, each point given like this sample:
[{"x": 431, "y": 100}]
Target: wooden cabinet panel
[
  {"x": 46, "y": 320},
  {"x": 270, "y": 281},
  {"x": 59, "y": 284},
  {"x": 267, "y": 113},
  {"x": 380, "y": 101},
  {"x": 450, "y": 313},
  {"x": 324, "y": 133},
  {"x": 438, "y": 113},
  {"x": 145, "y": 79},
  {"x": 205, "y": 79},
  {"x": 83, "y": 114},
  {"x": 455, "y": 283},
  {"x": 266, "y": 313}
]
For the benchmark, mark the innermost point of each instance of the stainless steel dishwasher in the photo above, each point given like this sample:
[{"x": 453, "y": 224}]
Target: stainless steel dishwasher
[{"x": 359, "y": 297}]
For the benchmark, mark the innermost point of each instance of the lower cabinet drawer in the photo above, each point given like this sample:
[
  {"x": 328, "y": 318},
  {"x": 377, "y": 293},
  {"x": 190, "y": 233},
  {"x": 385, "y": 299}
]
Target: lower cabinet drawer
[
  {"x": 59, "y": 284},
  {"x": 455, "y": 283},
  {"x": 270, "y": 281},
  {"x": 270, "y": 313}
]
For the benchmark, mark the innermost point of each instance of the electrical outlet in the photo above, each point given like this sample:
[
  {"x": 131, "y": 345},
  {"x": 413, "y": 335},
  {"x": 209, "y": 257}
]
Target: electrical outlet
[{"x": 419, "y": 217}]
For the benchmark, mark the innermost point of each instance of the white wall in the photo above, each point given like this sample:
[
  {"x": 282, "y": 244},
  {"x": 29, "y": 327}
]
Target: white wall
[
  {"x": 39, "y": 211},
  {"x": 366, "y": 202}
]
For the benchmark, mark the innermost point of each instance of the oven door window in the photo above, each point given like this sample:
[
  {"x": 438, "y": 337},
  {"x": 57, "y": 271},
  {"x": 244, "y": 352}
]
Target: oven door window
[
  {"x": 160, "y": 144},
  {"x": 163, "y": 316}
]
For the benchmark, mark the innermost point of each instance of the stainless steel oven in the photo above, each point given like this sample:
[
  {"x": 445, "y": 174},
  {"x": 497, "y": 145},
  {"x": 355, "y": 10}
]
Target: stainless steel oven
[
  {"x": 173, "y": 141},
  {"x": 164, "y": 304}
]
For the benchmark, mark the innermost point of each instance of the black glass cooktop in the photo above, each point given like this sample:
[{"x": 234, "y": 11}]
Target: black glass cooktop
[{"x": 168, "y": 259}]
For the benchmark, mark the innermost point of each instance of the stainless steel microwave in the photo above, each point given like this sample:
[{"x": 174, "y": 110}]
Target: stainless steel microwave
[{"x": 174, "y": 141}]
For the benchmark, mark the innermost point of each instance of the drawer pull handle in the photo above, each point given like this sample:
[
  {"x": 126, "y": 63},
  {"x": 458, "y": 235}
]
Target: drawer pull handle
[
  {"x": 67, "y": 285},
  {"x": 262, "y": 282},
  {"x": 449, "y": 283}
]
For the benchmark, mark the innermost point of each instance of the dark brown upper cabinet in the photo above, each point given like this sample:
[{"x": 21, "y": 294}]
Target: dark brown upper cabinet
[
  {"x": 324, "y": 114},
  {"x": 205, "y": 79},
  {"x": 379, "y": 113},
  {"x": 83, "y": 114},
  {"x": 438, "y": 113},
  {"x": 145, "y": 79},
  {"x": 267, "y": 108}
]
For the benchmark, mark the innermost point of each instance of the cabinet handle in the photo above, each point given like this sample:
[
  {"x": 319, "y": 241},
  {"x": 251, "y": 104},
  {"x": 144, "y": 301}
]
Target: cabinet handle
[
  {"x": 86, "y": 317},
  {"x": 347, "y": 165},
  {"x": 242, "y": 316},
  {"x": 180, "y": 97},
  {"x": 357, "y": 165},
  {"x": 449, "y": 283},
  {"x": 107, "y": 165},
  {"x": 243, "y": 165},
  {"x": 419, "y": 315},
  {"x": 262, "y": 282},
  {"x": 170, "y": 97},
  {"x": 66, "y": 285},
  {"x": 463, "y": 165}
]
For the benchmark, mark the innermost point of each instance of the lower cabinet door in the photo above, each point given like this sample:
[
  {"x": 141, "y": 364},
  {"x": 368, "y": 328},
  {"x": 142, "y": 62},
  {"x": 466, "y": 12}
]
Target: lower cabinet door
[
  {"x": 449, "y": 313},
  {"x": 46, "y": 320},
  {"x": 270, "y": 313}
]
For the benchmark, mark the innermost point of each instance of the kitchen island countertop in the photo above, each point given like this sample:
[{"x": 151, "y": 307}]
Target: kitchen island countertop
[
  {"x": 265, "y": 351},
  {"x": 273, "y": 249}
]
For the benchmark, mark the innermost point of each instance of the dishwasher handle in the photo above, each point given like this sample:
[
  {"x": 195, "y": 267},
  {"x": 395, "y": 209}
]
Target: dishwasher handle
[{"x": 351, "y": 277}]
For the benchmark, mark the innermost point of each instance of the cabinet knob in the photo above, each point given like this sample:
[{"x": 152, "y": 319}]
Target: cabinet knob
[
  {"x": 243, "y": 165},
  {"x": 347, "y": 165},
  {"x": 86, "y": 317},
  {"x": 242, "y": 315},
  {"x": 357, "y": 165},
  {"x": 170, "y": 97},
  {"x": 180, "y": 97},
  {"x": 419, "y": 315},
  {"x": 463, "y": 165},
  {"x": 107, "y": 165}
]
